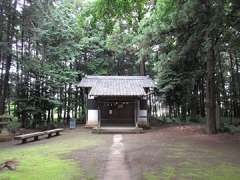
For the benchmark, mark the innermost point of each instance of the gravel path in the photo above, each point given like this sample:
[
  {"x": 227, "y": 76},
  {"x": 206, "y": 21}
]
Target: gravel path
[{"x": 116, "y": 167}]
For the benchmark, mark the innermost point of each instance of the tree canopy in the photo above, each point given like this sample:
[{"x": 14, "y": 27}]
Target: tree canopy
[{"x": 190, "y": 48}]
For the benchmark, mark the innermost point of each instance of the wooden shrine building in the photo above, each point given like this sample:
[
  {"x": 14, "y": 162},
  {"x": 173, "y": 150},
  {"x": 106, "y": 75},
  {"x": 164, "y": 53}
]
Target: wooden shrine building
[{"x": 116, "y": 100}]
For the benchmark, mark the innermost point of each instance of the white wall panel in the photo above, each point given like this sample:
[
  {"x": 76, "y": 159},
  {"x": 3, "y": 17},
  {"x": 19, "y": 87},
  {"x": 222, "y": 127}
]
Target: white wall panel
[{"x": 92, "y": 117}]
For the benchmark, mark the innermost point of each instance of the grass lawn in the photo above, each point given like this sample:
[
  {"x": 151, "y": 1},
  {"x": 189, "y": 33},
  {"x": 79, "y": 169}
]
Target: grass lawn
[
  {"x": 196, "y": 157},
  {"x": 47, "y": 159},
  {"x": 168, "y": 153},
  {"x": 191, "y": 171}
]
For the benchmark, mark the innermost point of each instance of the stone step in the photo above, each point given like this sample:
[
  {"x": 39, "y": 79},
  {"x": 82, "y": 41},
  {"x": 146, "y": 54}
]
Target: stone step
[{"x": 127, "y": 130}]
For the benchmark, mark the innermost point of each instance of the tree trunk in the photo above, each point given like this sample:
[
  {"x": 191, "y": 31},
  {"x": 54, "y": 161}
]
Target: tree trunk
[
  {"x": 211, "y": 92},
  {"x": 8, "y": 56},
  {"x": 142, "y": 66}
]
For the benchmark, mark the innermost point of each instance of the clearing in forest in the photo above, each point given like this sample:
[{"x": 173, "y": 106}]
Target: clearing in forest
[{"x": 170, "y": 152}]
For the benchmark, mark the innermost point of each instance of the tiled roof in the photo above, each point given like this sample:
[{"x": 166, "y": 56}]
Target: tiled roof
[{"x": 117, "y": 85}]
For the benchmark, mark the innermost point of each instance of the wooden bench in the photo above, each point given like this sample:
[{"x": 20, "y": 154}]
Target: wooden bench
[
  {"x": 53, "y": 131},
  {"x": 24, "y": 137},
  {"x": 36, "y": 135}
]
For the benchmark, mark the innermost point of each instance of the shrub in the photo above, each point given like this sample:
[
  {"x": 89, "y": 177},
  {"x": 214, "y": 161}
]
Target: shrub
[
  {"x": 196, "y": 119},
  {"x": 230, "y": 128},
  {"x": 144, "y": 126},
  {"x": 13, "y": 125}
]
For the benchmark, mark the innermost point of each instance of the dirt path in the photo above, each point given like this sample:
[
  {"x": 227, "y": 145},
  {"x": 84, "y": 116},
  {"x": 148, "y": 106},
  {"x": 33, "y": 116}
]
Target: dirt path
[{"x": 116, "y": 167}]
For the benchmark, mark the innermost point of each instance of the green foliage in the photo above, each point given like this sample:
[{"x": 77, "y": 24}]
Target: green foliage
[
  {"x": 230, "y": 128},
  {"x": 53, "y": 44},
  {"x": 178, "y": 35},
  {"x": 13, "y": 125},
  {"x": 181, "y": 119},
  {"x": 110, "y": 12}
]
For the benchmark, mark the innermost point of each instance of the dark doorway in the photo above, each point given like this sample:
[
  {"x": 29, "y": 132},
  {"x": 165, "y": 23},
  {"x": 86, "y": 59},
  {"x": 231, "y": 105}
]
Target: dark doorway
[{"x": 117, "y": 113}]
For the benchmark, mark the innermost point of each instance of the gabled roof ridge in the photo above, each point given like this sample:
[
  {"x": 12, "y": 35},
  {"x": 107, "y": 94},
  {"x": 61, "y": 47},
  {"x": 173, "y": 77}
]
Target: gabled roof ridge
[
  {"x": 118, "y": 77},
  {"x": 117, "y": 85}
]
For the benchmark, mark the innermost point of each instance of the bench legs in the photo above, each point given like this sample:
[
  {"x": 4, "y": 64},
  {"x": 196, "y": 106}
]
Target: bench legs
[
  {"x": 25, "y": 140},
  {"x": 49, "y": 135},
  {"x": 56, "y": 134}
]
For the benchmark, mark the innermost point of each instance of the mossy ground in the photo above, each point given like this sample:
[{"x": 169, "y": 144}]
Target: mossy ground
[
  {"x": 214, "y": 172},
  {"x": 160, "y": 154},
  {"x": 197, "y": 157},
  {"x": 48, "y": 161}
]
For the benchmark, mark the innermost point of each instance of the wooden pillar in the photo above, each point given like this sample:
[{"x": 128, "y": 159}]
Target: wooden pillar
[
  {"x": 136, "y": 111},
  {"x": 99, "y": 115},
  {"x": 86, "y": 103}
]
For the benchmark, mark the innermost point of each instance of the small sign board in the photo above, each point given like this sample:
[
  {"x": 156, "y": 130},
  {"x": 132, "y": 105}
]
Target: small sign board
[{"x": 72, "y": 124}]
